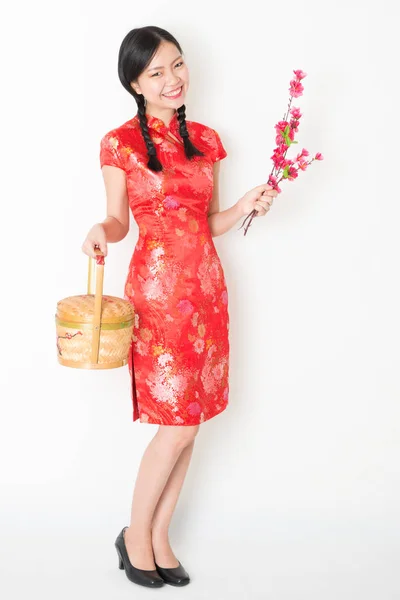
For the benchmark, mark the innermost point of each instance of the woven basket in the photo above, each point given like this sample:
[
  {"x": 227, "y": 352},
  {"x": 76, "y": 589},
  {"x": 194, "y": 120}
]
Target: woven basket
[{"x": 94, "y": 331}]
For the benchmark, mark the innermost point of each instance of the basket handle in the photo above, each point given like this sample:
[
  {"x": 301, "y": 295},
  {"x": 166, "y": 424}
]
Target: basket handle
[{"x": 99, "y": 274}]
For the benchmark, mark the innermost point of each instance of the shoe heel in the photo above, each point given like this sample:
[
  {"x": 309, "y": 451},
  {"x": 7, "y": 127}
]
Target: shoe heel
[
  {"x": 146, "y": 577},
  {"x": 120, "y": 561}
]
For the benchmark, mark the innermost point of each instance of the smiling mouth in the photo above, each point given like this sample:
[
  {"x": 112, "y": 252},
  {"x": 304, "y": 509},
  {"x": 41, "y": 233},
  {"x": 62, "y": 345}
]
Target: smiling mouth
[{"x": 174, "y": 92}]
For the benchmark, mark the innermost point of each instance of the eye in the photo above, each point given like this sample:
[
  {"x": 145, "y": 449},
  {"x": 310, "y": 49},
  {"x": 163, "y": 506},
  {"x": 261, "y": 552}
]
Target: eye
[{"x": 177, "y": 65}]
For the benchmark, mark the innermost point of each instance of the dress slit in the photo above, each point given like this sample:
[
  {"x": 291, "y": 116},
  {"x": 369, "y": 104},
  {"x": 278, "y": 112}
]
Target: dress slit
[{"x": 133, "y": 384}]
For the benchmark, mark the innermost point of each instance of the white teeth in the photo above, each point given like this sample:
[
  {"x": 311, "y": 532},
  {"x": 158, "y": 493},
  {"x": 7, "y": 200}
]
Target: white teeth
[{"x": 173, "y": 93}]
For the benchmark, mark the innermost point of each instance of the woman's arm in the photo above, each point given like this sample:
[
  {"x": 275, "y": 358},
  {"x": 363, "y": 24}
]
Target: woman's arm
[
  {"x": 221, "y": 222},
  {"x": 116, "y": 224}
]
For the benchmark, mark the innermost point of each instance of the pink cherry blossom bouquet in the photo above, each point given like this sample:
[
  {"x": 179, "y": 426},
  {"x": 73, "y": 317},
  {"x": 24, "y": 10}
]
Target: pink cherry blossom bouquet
[{"x": 284, "y": 168}]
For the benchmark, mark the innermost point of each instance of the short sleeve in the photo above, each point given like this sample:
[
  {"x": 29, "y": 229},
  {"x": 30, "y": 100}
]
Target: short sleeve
[
  {"x": 110, "y": 151},
  {"x": 218, "y": 151}
]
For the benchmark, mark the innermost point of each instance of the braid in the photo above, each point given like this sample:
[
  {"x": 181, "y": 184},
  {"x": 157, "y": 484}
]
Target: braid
[
  {"x": 153, "y": 164},
  {"x": 190, "y": 149}
]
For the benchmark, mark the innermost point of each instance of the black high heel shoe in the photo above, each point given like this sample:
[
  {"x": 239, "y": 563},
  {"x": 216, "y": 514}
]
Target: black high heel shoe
[
  {"x": 149, "y": 578},
  {"x": 175, "y": 575}
]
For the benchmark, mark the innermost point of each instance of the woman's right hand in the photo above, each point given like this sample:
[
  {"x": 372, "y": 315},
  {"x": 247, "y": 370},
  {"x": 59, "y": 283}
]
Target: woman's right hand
[{"x": 95, "y": 238}]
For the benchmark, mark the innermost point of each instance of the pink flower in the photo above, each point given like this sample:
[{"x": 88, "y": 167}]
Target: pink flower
[
  {"x": 199, "y": 345},
  {"x": 296, "y": 89},
  {"x": 301, "y": 155},
  {"x": 218, "y": 371},
  {"x": 292, "y": 173},
  {"x": 300, "y": 74},
  {"x": 141, "y": 348},
  {"x": 194, "y": 408},
  {"x": 185, "y": 307},
  {"x": 274, "y": 182},
  {"x": 278, "y": 158},
  {"x": 319, "y": 156},
  {"x": 303, "y": 165},
  {"x": 280, "y": 126},
  {"x": 170, "y": 202},
  {"x": 296, "y": 114},
  {"x": 282, "y": 146}
]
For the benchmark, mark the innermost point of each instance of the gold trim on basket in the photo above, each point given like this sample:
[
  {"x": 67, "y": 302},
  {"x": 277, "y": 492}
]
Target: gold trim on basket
[{"x": 108, "y": 326}]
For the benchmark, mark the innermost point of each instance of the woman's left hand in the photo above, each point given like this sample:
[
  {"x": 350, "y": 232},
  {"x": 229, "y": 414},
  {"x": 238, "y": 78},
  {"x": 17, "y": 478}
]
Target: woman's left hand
[{"x": 259, "y": 198}]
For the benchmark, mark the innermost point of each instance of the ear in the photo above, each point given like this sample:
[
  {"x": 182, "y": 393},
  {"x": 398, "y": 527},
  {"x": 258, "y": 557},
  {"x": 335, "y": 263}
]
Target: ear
[{"x": 135, "y": 87}]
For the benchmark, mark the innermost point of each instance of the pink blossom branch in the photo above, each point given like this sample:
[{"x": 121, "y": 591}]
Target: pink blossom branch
[{"x": 286, "y": 130}]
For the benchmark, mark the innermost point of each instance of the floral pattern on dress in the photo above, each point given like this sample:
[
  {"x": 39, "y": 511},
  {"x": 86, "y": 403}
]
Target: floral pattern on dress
[{"x": 179, "y": 356}]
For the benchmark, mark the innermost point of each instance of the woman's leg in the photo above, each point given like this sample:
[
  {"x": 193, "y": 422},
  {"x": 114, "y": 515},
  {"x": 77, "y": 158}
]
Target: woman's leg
[
  {"x": 155, "y": 468},
  {"x": 163, "y": 554}
]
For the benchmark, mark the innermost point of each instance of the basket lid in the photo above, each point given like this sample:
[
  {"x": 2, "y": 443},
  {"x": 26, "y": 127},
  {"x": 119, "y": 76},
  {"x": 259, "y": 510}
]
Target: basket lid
[{"x": 80, "y": 309}]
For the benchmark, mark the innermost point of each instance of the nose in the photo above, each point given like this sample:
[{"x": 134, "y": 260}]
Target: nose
[
  {"x": 173, "y": 83},
  {"x": 174, "y": 80}
]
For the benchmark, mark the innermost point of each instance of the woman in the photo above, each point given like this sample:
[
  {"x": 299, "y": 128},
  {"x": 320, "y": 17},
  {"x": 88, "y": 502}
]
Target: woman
[{"x": 165, "y": 170}]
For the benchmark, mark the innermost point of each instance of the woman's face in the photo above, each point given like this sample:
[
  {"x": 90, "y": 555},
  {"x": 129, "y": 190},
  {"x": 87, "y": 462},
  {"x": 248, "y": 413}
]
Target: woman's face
[{"x": 166, "y": 72}]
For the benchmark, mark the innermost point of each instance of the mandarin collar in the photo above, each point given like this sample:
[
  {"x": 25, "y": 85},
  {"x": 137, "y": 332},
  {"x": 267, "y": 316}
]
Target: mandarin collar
[{"x": 159, "y": 126}]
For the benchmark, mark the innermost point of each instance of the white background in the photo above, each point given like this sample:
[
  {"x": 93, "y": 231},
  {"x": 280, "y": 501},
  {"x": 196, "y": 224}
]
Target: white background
[{"x": 293, "y": 492}]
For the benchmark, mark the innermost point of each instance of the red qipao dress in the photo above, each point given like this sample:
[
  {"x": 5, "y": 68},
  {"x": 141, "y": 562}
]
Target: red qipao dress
[{"x": 179, "y": 358}]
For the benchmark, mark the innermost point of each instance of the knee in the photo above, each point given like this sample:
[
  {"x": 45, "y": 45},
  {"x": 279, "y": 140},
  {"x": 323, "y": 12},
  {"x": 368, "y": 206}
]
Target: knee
[
  {"x": 186, "y": 435},
  {"x": 179, "y": 435}
]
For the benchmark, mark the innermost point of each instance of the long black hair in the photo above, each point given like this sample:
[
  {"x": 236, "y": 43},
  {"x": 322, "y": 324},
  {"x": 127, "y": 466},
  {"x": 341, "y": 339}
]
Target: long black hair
[{"x": 136, "y": 52}]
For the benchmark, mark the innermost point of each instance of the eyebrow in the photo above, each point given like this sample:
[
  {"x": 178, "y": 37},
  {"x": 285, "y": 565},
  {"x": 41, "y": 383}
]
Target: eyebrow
[{"x": 153, "y": 68}]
